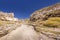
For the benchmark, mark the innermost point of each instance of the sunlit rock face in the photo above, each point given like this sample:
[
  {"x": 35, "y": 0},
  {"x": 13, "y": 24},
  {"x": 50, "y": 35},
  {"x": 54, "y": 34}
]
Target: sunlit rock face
[
  {"x": 7, "y": 16},
  {"x": 24, "y": 32},
  {"x": 11, "y": 19},
  {"x": 46, "y": 12}
]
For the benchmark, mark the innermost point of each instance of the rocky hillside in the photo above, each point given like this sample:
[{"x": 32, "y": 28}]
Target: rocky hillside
[
  {"x": 46, "y": 21},
  {"x": 8, "y": 23},
  {"x": 44, "y": 13}
]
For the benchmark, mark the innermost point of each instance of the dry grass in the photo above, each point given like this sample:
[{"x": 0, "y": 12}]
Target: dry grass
[{"x": 52, "y": 22}]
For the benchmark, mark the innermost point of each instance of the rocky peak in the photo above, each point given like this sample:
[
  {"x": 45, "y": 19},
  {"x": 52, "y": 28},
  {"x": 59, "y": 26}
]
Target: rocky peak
[{"x": 7, "y": 16}]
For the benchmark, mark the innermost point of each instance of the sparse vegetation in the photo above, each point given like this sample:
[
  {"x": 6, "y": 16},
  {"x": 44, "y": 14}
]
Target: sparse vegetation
[
  {"x": 1, "y": 23},
  {"x": 52, "y": 22}
]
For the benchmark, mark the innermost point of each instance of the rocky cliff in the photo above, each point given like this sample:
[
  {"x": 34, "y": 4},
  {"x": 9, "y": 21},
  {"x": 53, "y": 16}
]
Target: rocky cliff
[
  {"x": 44, "y": 13},
  {"x": 46, "y": 21}
]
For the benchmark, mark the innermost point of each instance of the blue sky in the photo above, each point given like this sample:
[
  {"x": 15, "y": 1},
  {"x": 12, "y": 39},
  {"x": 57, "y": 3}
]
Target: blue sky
[{"x": 24, "y": 8}]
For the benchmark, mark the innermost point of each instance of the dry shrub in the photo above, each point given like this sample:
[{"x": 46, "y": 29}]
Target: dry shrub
[{"x": 52, "y": 22}]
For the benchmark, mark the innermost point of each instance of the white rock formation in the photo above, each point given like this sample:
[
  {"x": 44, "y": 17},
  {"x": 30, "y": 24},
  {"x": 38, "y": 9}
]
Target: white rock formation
[
  {"x": 15, "y": 19},
  {"x": 11, "y": 19},
  {"x": 8, "y": 18}
]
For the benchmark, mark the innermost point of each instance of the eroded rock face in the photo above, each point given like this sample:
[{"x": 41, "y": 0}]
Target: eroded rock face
[
  {"x": 4, "y": 15},
  {"x": 7, "y": 16},
  {"x": 39, "y": 18},
  {"x": 51, "y": 11}
]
